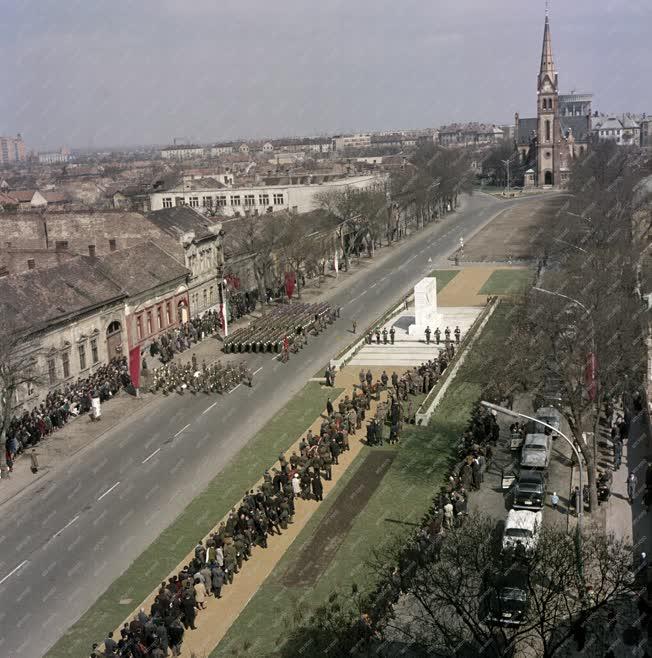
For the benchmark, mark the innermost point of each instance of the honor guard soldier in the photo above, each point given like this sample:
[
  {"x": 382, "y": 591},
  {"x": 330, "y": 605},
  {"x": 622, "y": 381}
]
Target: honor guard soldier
[
  {"x": 447, "y": 333},
  {"x": 385, "y": 336},
  {"x": 377, "y": 336},
  {"x": 457, "y": 335},
  {"x": 427, "y": 332},
  {"x": 392, "y": 333},
  {"x": 437, "y": 335}
]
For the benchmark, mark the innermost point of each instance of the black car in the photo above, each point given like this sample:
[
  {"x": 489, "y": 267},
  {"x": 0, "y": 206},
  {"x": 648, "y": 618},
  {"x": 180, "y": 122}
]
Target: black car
[
  {"x": 507, "y": 598},
  {"x": 530, "y": 490}
]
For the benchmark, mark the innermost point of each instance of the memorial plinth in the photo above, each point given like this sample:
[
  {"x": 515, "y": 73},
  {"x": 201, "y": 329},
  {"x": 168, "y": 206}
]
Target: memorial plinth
[{"x": 425, "y": 307}]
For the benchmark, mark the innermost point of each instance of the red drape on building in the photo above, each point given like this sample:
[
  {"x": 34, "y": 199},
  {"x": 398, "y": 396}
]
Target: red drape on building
[
  {"x": 134, "y": 366},
  {"x": 290, "y": 282}
]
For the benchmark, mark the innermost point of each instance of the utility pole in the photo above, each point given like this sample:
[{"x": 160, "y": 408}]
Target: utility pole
[{"x": 506, "y": 163}]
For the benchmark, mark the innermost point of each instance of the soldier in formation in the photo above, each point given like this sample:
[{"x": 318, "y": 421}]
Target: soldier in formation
[{"x": 214, "y": 378}]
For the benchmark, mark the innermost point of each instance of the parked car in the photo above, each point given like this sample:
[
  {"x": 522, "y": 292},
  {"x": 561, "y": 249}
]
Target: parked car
[
  {"x": 530, "y": 489},
  {"x": 536, "y": 451},
  {"x": 507, "y": 597},
  {"x": 522, "y": 526},
  {"x": 551, "y": 416}
]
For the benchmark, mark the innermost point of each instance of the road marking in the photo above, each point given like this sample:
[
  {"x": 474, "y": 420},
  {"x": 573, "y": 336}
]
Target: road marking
[
  {"x": 275, "y": 357},
  {"x": 64, "y": 527},
  {"x": 148, "y": 458},
  {"x": 237, "y": 387},
  {"x": 22, "y": 564},
  {"x": 373, "y": 285},
  {"x": 208, "y": 408},
  {"x": 183, "y": 429},
  {"x": 259, "y": 369},
  {"x": 106, "y": 493}
]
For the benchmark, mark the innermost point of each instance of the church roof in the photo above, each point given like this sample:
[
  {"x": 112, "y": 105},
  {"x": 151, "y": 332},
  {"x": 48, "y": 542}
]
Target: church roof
[
  {"x": 580, "y": 127},
  {"x": 524, "y": 130},
  {"x": 547, "y": 64}
]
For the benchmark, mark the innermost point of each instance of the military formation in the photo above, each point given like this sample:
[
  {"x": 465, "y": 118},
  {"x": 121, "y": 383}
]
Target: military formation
[
  {"x": 387, "y": 337},
  {"x": 263, "y": 512},
  {"x": 183, "y": 337},
  {"x": 283, "y": 327},
  {"x": 188, "y": 377}
]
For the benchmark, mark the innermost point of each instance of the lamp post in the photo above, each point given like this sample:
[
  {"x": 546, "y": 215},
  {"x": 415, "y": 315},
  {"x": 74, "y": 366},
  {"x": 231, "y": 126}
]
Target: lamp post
[{"x": 580, "y": 496}]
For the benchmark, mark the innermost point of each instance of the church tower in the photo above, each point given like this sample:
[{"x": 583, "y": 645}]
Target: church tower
[{"x": 548, "y": 128}]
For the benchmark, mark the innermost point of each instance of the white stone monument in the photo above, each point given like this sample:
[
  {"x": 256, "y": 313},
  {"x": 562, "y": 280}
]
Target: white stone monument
[{"x": 425, "y": 307}]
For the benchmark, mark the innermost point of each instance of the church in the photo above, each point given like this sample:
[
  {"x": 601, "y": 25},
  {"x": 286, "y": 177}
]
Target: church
[{"x": 561, "y": 131}]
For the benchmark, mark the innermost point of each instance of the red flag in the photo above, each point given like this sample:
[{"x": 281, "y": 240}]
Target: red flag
[
  {"x": 591, "y": 375},
  {"x": 134, "y": 366},
  {"x": 290, "y": 282}
]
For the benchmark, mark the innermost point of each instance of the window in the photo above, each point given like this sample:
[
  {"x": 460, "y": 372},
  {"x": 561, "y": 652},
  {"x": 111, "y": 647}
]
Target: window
[
  {"x": 112, "y": 244},
  {"x": 194, "y": 202},
  {"x": 207, "y": 201},
  {"x": 31, "y": 263},
  {"x": 149, "y": 322},
  {"x": 91, "y": 250},
  {"x": 235, "y": 200},
  {"x": 52, "y": 371},
  {"x": 250, "y": 200},
  {"x": 168, "y": 313},
  {"x": 167, "y": 202},
  {"x": 211, "y": 294},
  {"x": 159, "y": 317},
  {"x": 220, "y": 200},
  {"x": 278, "y": 199},
  {"x": 139, "y": 327},
  {"x": 82, "y": 357},
  {"x": 205, "y": 297},
  {"x": 547, "y": 130},
  {"x": 94, "y": 355},
  {"x": 263, "y": 199},
  {"x": 61, "y": 245},
  {"x": 179, "y": 201},
  {"x": 65, "y": 362}
]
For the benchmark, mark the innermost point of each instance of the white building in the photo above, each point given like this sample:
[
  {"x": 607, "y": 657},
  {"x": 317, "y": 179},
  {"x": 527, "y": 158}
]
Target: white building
[
  {"x": 221, "y": 149},
  {"x": 182, "y": 152},
  {"x": 54, "y": 157},
  {"x": 623, "y": 130},
  {"x": 238, "y": 201}
]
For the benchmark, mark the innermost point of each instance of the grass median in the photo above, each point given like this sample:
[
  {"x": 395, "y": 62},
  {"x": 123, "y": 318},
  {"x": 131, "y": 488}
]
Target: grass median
[
  {"x": 399, "y": 501},
  {"x": 444, "y": 277},
  {"x": 508, "y": 282},
  {"x": 163, "y": 555}
]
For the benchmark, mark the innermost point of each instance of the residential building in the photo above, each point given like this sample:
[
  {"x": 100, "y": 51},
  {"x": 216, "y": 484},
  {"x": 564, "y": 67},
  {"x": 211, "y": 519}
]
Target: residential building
[
  {"x": 623, "y": 130},
  {"x": 12, "y": 149},
  {"x": 242, "y": 200},
  {"x": 469, "y": 134},
  {"x": 560, "y": 132},
  {"x": 221, "y": 149},
  {"x": 343, "y": 142}
]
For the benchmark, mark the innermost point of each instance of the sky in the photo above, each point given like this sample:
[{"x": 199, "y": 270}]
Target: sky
[{"x": 97, "y": 73}]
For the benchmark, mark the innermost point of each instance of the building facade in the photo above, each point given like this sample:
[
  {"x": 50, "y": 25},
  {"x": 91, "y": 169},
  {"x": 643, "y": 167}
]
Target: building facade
[
  {"x": 239, "y": 201},
  {"x": 12, "y": 149}
]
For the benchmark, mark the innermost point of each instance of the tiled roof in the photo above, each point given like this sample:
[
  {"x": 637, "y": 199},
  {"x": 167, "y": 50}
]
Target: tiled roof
[
  {"x": 178, "y": 220},
  {"x": 38, "y": 298},
  {"x": 524, "y": 130},
  {"x": 580, "y": 127}
]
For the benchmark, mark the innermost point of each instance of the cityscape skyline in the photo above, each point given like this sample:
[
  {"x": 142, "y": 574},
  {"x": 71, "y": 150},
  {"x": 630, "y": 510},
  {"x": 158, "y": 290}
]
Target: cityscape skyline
[{"x": 321, "y": 70}]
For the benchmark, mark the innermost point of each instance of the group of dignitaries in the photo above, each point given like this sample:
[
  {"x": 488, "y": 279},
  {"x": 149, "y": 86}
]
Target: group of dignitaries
[
  {"x": 62, "y": 404},
  {"x": 263, "y": 512}
]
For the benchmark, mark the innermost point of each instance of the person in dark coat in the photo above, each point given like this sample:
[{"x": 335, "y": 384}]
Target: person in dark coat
[
  {"x": 329, "y": 407},
  {"x": 317, "y": 487},
  {"x": 175, "y": 636},
  {"x": 189, "y": 612}
]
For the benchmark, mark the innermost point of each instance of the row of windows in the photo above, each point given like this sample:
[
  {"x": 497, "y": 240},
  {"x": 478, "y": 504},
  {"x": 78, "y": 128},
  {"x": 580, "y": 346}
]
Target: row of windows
[
  {"x": 65, "y": 361},
  {"x": 207, "y": 296},
  {"x": 221, "y": 200},
  {"x": 146, "y": 320}
]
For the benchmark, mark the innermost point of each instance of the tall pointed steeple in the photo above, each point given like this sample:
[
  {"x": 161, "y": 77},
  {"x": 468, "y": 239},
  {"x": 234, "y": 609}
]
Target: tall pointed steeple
[{"x": 547, "y": 63}]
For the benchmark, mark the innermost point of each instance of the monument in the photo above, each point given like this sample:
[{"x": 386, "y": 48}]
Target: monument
[{"x": 425, "y": 307}]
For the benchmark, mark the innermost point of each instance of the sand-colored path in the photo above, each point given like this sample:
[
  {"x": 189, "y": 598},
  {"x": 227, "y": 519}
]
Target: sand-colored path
[
  {"x": 464, "y": 289},
  {"x": 213, "y": 622}
]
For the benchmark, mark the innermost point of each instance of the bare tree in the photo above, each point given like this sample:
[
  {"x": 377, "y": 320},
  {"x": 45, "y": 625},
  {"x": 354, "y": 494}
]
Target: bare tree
[{"x": 17, "y": 370}]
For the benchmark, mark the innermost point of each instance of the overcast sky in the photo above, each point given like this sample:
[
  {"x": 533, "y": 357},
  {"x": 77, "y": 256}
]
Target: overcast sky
[{"x": 89, "y": 73}]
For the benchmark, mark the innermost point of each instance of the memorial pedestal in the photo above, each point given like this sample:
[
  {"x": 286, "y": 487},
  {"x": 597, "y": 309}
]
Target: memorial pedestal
[{"x": 425, "y": 308}]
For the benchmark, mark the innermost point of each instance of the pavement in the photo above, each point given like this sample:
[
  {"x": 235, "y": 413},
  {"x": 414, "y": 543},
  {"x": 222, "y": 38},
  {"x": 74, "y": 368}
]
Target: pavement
[{"x": 62, "y": 546}]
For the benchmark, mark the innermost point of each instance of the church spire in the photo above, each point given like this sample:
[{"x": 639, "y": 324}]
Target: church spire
[{"x": 547, "y": 64}]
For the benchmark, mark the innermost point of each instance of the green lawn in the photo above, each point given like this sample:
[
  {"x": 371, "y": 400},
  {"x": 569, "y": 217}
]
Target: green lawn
[
  {"x": 507, "y": 282},
  {"x": 444, "y": 277},
  {"x": 402, "y": 498},
  {"x": 195, "y": 521}
]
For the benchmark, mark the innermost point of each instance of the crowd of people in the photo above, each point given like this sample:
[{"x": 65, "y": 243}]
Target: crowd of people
[
  {"x": 213, "y": 378},
  {"x": 61, "y": 404},
  {"x": 262, "y": 512}
]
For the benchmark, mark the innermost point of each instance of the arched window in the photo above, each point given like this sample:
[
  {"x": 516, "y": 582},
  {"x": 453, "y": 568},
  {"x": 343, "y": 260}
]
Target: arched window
[{"x": 547, "y": 130}]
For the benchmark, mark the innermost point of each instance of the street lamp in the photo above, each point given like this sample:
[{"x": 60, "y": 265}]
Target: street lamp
[{"x": 518, "y": 414}]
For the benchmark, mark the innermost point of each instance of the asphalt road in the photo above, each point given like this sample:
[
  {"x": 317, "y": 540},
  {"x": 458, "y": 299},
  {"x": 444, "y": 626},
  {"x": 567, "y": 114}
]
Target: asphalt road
[{"x": 65, "y": 543}]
